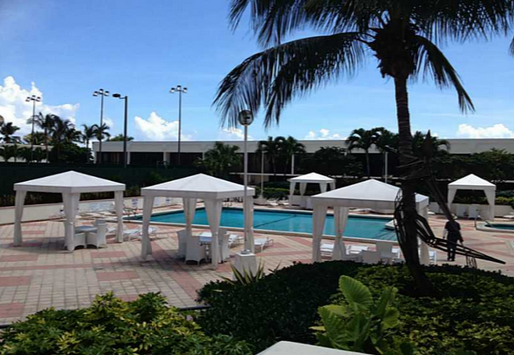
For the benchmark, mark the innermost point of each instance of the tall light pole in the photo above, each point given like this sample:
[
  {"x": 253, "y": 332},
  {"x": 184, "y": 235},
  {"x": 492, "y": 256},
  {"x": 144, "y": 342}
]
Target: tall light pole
[
  {"x": 102, "y": 93},
  {"x": 245, "y": 119},
  {"x": 125, "y": 121},
  {"x": 34, "y": 99},
  {"x": 181, "y": 90}
]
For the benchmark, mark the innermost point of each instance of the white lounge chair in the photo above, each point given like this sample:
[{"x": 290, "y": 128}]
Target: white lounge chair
[
  {"x": 357, "y": 249},
  {"x": 262, "y": 243},
  {"x": 195, "y": 251}
]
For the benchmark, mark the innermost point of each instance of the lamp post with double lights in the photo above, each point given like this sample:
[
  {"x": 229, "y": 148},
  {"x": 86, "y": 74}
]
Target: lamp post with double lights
[
  {"x": 181, "y": 90},
  {"x": 34, "y": 100},
  {"x": 125, "y": 121},
  {"x": 102, "y": 93}
]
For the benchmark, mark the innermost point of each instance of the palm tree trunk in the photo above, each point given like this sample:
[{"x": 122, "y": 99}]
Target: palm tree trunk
[
  {"x": 409, "y": 246},
  {"x": 46, "y": 143},
  {"x": 368, "y": 168},
  {"x": 99, "y": 160}
]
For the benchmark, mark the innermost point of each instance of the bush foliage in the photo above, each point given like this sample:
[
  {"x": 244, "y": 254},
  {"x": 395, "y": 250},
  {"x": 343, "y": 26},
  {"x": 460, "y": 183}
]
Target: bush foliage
[
  {"x": 111, "y": 326},
  {"x": 475, "y": 309}
]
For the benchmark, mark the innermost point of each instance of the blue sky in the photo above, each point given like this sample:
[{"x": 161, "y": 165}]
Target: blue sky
[{"x": 68, "y": 49}]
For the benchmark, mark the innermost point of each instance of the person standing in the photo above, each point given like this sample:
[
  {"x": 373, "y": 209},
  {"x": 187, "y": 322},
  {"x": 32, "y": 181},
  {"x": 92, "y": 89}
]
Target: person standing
[{"x": 452, "y": 233}]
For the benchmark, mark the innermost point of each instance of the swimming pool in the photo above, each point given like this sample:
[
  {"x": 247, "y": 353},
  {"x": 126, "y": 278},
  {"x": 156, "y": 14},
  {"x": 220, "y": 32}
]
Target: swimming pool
[
  {"x": 286, "y": 221},
  {"x": 496, "y": 227}
]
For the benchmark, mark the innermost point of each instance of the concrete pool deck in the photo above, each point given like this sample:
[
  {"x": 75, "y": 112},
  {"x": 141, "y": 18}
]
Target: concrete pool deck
[{"x": 40, "y": 274}]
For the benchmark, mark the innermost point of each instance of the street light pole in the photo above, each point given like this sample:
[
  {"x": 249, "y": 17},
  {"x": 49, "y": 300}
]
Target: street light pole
[
  {"x": 102, "y": 93},
  {"x": 125, "y": 123},
  {"x": 245, "y": 119},
  {"x": 34, "y": 99},
  {"x": 181, "y": 90}
]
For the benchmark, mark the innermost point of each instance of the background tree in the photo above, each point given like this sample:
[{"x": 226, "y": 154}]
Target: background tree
[
  {"x": 363, "y": 139},
  {"x": 101, "y": 133},
  {"x": 46, "y": 123},
  {"x": 7, "y": 152},
  {"x": 386, "y": 142},
  {"x": 39, "y": 138},
  {"x": 418, "y": 139},
  {"x": 290, "y": 147},
  {"x": 7, "y": 130},
  {"x": 220, "y": 160},
  {"x": 272, "y": 150},
  {"x": 332, "y": 161},
  {"x": 401, "y": 35},
  {"x": 120, "y": 138},
  {"x": 60, "y": 133}
]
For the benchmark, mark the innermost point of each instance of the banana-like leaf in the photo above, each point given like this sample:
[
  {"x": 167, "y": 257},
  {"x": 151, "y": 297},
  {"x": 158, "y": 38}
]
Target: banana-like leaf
[
  {"x": 385, "y": 301},
  {"x": 335, "y": 328},
  {"x": 391, "y": 318},
  {"x": 355, "y": 292}
]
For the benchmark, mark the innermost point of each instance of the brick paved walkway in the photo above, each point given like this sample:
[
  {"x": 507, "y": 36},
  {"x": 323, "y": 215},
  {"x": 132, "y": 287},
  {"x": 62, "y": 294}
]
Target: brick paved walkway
[{"x": 40, "y": 274}]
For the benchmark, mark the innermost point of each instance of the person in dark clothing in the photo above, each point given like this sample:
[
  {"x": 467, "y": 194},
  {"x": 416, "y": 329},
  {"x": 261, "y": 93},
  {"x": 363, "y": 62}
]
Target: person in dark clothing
[{"x": 452, "y": 231}]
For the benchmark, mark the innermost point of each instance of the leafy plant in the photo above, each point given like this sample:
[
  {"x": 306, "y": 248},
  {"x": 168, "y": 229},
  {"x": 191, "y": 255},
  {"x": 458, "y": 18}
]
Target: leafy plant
[
  {"x": 361, "y": 323},
  {"x": 111, "y": 326},
  {"x": 246, "y": 277}
]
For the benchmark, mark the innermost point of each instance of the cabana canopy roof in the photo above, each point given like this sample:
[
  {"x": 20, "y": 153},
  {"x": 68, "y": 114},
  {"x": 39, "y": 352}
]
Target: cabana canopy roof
[
  {"x": 367, "y": 194},
  {"x": 69, "y": 182},
  {"x": 198, "y": 186},
  {"x": 312, "y": 178},
  {"x": 472, "y": 182}
]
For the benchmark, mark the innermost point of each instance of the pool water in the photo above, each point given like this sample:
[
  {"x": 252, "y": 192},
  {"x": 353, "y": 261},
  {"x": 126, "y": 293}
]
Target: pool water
[
  {"x": 287, "y": 221},
  {"x": 508, "y": 227}
]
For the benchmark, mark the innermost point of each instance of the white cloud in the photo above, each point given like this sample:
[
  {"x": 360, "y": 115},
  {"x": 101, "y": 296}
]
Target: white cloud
[
  {"x": 14, "y": 108},
  {"x": 496, "y": 131},
  {"x": 323, "y": 134},
  {"x": 156, "y": 128},
  {"x": 109, "y": 122},
  {"x": 232, "y": 134}
]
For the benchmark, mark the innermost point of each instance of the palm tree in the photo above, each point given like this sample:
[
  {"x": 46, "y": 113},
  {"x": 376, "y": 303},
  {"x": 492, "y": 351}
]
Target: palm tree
[
  {"x": 418, "y": 143},
  {"x": 101, "y": 133},
  {"x": 8, "y": 129},
  {"x": 39, "y": 138},
  {"x": 386, "y": 142},
  {"x": 44, "y": 122},
  {"x": 88, "y": 133},
  {"x": 272, "y": 149},
  {"x": 60, "y": 133},
  {"x": 221, "y": 159},
  {"x": 401, "y": 35},
  {"x": 290, "y": 147},
  {"x": 363, "y": 139},
  {"x": 8, "y": 151}
]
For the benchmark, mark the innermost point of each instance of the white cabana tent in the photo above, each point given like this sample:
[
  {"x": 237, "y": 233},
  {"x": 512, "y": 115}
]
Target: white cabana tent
[
  {"x": 207, "y": 188},
  {"x": 70, "y": 184},
  {"x": 473, "y": 182},
  {"x": 311, "y": 178},
  {"x": 367, "y": 194}
]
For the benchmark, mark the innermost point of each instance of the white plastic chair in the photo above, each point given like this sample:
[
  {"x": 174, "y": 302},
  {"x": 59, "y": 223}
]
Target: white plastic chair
[
  {"x": 195, "y": 251},
  {"x": 98, "y": 238},
  {"x": 370, "y": 257},
  {"x": 385, "y": 250},
  {"x": 182, "y": 243},
  {"x": 261, "y": 243}
]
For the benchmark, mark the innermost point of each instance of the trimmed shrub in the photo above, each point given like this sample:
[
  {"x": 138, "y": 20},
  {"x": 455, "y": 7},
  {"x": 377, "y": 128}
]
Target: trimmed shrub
[
  {"x": 111, "y": 326},
  {"x": 475, "y": 310},
  {"x": 281, "y": 306}
]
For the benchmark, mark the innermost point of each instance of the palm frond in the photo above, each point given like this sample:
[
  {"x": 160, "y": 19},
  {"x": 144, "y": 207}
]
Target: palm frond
[
  {"x": 511, "y": 48},
  {"x": 275, "y": 76},
  {"x": 463, "y": 19},
  {"x": 434, "y": 63}
]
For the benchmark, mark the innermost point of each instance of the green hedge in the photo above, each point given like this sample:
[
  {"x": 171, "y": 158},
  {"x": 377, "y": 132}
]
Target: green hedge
[
  {"x": 475, "y": 310},
  {"x": 111, "y": 326}
]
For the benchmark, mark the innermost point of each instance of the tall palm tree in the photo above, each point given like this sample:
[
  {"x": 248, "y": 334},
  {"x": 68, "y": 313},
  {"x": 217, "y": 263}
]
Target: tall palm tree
[
  {"x": 272, "y": 149},
  {"x": 46, "y": 123},
  {"x": 101, "y": 133},
  {"x": 7, "y": 130},
  {"x": 39, "y": 138},
  {"x": 290, "y": 147},
  {"x": 60, "y": 133},
  {"x": 401, "y": 35},
  {"x": 88, "y": 133},
  {"x": 386, "y": 142},
  {"x": 363, "y": 139}
]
